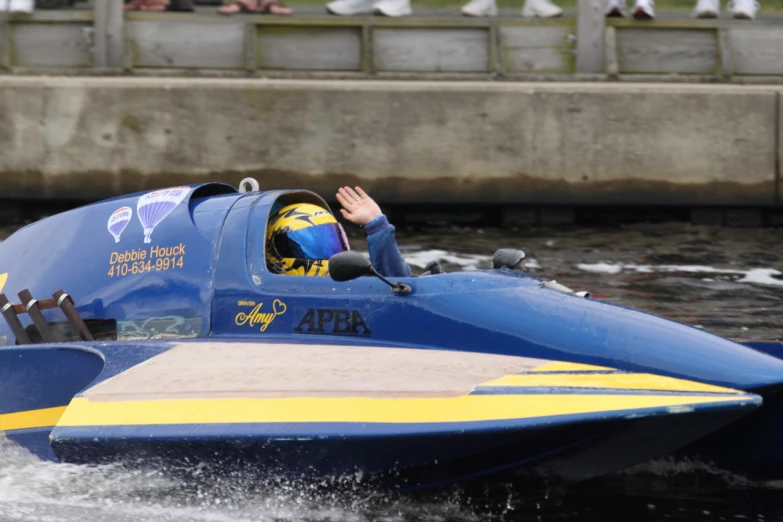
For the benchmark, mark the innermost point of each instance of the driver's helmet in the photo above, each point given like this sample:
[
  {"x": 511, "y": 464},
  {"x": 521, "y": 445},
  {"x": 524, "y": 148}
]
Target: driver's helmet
[{"x": 300, "y": 239}]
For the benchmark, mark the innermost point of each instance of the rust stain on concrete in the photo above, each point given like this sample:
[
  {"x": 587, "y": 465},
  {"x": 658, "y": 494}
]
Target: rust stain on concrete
[{"x": 519, "y": 189}]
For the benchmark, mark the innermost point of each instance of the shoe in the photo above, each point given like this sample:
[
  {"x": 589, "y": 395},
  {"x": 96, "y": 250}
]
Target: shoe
[
  {"x": 392, "y": 8},
  {"x": 615, "y": 8},
  {"x": 707, "y": 9},
  {"x": 480, "y": 8},
  {"x": 541, "y": 9},
  {"x": 644, "y": 10},
  {"x": 21, "y": 6},
  {"x": 744, "y": 9},
  {"x": 349, "y": 7}
]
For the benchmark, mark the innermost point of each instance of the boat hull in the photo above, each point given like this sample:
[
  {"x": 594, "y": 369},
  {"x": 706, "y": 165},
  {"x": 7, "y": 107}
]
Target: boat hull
[
  {"x": 570, "y": 452},
  {"x": 400, "y": 419}
]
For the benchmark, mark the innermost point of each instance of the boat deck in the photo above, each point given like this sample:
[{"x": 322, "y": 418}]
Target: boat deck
[{"x": 257, "y": 370}]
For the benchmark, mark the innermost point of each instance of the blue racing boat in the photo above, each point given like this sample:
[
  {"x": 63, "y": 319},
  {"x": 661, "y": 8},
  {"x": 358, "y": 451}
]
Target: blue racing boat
[{"x": 138, "y": 279}]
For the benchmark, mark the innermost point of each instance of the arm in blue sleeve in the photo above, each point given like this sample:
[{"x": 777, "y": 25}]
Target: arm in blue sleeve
[{"x": 384, "y": 254}]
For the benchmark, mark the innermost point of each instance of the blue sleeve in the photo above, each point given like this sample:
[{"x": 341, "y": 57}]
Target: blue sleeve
[{"x": 384, "y": 254}]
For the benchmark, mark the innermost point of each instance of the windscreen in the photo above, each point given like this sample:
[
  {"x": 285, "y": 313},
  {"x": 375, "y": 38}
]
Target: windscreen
[{"x": 317, "y": 242}]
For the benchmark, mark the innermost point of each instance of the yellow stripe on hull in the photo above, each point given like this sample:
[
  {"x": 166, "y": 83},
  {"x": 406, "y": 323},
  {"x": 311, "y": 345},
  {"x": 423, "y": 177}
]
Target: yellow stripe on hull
[
  {"x": 31, "y": 419},
  {"x": 470, "y": 408},
  {"x": 571, "y": 367},
  {"x": 619, "y": 381}
]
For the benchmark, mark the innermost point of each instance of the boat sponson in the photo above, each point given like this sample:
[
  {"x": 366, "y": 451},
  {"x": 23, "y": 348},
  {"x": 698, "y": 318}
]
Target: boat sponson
[{"x": 422, "y": 417}]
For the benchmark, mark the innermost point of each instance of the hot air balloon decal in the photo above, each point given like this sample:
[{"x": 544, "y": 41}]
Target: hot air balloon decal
[
  {"x": 153, "y": 207},
  {"x": 118, "y": 221}
]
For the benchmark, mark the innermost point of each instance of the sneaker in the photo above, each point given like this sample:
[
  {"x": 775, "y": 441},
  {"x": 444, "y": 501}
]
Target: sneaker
[
  {"x": 480, "y": 8},
  {"x": 707, "y": 9},
  {"x": 393, "y": 8},
  {"x": 615, "y": 8},
  {"x": 349, "y": 7},
  {"x": 541, "y": 9},
  {"x": 745, "y": 9},
  {"x": 644, "y": 10},
  {"x": 21, "y": 6}
]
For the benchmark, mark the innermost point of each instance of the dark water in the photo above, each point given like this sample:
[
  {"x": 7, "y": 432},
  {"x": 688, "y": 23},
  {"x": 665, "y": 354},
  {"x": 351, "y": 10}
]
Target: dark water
[{"x": 727, "y": 281}]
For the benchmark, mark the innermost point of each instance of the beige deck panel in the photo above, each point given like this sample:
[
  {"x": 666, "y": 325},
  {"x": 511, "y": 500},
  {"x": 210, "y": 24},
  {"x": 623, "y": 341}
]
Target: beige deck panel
[{"x": 234, "y": 370}]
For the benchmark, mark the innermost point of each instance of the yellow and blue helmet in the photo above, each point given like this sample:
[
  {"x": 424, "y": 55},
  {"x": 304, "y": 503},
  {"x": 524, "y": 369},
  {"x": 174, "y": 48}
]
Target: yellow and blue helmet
[{"x": 300, "y": 239}]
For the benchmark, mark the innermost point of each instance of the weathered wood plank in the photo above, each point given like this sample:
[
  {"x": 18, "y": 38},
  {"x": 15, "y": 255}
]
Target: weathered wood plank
[
  {"x": 250, "y": 46},
  {"x": 51, "y": 45},
  {"x": 726, "y": 54},
  {"x": 667, "y": 51},
  {"x": 431, "y": 50},
  {"x": 590, "y": 22},
  {"x": 310, "y": 48},
  {"x": 109, "y": 34},
  {"x": 539, "y": 36},
  {"x": 160, "y": 43},
  {"x": 5, "y": 42},
  {"x": 60, "y": 15},
  {"x": 495, "y": 56},
  {"x": 535, "y": 49},
  {"x": 367, "y": 65},
  {"x": 757, "y": 50},
  {"x": 610, "y": 52},
  {"x": 534, "y": 60}
]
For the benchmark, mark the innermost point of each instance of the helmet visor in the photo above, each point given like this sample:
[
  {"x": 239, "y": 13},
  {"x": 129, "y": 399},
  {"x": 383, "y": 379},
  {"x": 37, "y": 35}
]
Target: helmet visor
[{"x": 317, "y": 242}]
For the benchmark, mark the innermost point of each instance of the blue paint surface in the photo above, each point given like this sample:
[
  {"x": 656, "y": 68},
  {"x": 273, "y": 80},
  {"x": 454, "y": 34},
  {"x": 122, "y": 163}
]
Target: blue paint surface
[
  {"x": 214, "y": 269},
  {"x": 399, "y": 461},
  {"x": 36, "y": 441},
  {"x": 40, "y": 376},
  {"x": 773, "y": 348}
]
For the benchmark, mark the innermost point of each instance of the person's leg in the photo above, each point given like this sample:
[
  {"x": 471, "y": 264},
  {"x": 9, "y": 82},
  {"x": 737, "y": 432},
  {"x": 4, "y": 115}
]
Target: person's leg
[
  {"x": 644, "y": 9},
  {"x": 707, "y": 9},
  {"x": 480, "y": 8},
  {"x": 615, "y": 8},
  {"x": 21, "y": 6},
  {"x": 155, "y": 5},
  {"x": 133, "y": 5},
  {"x": 349, "y": 7},
  {"x": 275, "y": 7},
  {"x": 540, "y": 9},
  {"x": 239, "y": 6},
  {"x": 392, "y": 8},
  {"x": 744, "y": 9}
]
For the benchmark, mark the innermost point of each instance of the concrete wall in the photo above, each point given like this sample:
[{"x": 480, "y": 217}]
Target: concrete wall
[{"x": 477, "y": 142}]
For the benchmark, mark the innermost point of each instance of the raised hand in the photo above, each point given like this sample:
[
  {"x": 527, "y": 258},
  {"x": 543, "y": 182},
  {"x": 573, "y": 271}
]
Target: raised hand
[{"x": 358, "y": 207}]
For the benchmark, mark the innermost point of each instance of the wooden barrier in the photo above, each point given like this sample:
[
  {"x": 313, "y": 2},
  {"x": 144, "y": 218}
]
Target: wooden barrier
[{"x": 436, "y": 44}]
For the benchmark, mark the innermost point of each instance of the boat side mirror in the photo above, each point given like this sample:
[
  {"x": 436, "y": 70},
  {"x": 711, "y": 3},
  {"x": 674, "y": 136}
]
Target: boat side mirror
[
  {"x": 508, "y": 258},
  {"x": 349, "y": 265}
]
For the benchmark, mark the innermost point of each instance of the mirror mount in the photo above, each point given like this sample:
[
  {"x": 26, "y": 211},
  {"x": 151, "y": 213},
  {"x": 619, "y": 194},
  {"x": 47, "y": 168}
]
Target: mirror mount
[
  {"x": 510, "y": 258},
  {"x": 397, "y": 288},
  {"x": 350, "y": 265}
]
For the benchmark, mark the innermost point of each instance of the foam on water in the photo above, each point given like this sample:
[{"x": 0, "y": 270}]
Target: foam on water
[
  {"x": 34, "y": 490},
  {"x": 667, "y": 467},
  {"x": 455, "y": 260},
  {"x": 763, "y": 276},
  {"x": 464, "y": 261}
]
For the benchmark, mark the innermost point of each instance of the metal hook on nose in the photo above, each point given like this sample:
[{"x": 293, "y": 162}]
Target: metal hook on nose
[{"x": 248, "y": 185}]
